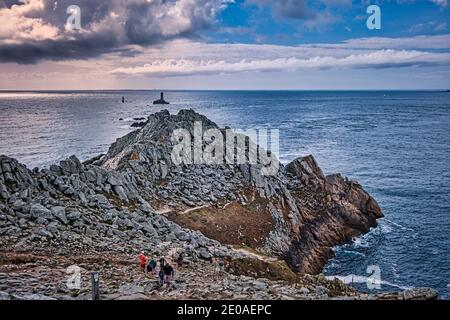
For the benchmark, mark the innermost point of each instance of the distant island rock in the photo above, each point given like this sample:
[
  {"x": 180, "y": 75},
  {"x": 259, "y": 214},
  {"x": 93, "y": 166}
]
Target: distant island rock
[{"x": 161, "y": 100}]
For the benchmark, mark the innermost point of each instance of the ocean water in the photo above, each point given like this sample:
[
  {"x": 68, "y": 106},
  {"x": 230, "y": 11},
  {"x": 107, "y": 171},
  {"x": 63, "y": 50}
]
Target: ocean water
[{"x": 396, "y": 144}]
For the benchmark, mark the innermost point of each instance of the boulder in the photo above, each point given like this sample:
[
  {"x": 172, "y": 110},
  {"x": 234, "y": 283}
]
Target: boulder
[
  {"x": 114, "y": 180},
  {"x": 307, "y": 171},
  {"x": 420, "y": 294},
  {"x": 39, "y": 211},
  {"x": 60, "y": 214},
  {"x": 73, "y": 215},
  {"x": 120, "y": 192}
]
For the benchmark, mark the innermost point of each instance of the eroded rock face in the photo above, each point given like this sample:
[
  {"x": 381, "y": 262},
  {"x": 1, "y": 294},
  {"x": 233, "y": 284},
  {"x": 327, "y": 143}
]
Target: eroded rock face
[
  {"x": 332, "y": 210},
  {"x": 134, "y": 196}
]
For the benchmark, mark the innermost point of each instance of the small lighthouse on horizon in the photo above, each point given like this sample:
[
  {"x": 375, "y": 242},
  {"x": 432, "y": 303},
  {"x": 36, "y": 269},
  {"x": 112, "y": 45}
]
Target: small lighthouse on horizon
[{"x": 161, "y": 100}]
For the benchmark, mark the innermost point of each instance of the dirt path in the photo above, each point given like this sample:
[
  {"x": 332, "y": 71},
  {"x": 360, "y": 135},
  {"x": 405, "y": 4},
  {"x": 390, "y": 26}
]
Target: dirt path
[{"x": 255, "y": 255}]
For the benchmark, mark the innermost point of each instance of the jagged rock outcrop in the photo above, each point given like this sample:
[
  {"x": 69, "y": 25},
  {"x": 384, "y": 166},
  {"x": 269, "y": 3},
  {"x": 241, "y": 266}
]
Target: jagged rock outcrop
[
  {"x": 135, "y": 194},
  {"x": 74, "y": 207},
  {"x": 333, "y": 210}
]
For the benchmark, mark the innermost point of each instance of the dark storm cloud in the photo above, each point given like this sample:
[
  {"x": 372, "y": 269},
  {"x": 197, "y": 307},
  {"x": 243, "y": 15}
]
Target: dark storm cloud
[
  {"x": 107, "y": 26},
  {"x": 9, "y": 3},
  {"x": 299, "y": 9},
  {"x": 295, "y": 9},
  {"x": 33, "y": 52}
]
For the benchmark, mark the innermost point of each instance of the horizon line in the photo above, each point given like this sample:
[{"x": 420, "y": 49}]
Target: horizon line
[{"x": 193, "y": 90}]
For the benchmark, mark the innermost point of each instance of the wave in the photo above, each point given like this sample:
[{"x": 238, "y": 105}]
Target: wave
[
  {"x": 356, "y": 253},
  {"x": 353, "y": 278},
  {"x": 360, "y": 242},
  {"x": 398, "y": 225}
]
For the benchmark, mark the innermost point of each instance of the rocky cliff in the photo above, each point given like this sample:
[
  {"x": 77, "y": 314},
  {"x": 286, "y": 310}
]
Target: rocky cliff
[
  {"x": 297, "y": 214},
  {"x": 134, "y": 197}
]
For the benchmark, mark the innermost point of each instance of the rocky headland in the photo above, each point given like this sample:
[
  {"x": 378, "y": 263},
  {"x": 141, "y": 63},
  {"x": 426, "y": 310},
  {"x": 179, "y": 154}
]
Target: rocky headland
[{"x": 243, "y": 234}]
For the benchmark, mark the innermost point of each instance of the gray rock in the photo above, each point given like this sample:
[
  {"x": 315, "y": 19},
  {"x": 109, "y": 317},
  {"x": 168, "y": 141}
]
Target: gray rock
[
  {"x": 90, "y": 233},
  {"x": 71, "y": 165},
  {"x": 120, "y": 192},
  {"x": 321, "y": 290},
  {"x": 149, "y": 230},
  {"x": 303, "y": 290},
  {"x": 6, "y": 167},
  {"x": 69, "y": 191},
  {"x": 133, "y": 297},
  {"x": 41, "y": 220},
  {"x": 420, "y": 294},
  {"x": 98, "y": 199},
  {"x": 39, "y": 211},
  {"x": 45, "y": 233},
  {"x": 204, "y": 253},
  {"x": 114, "y": 181},
  {"x": 60, "y": 214},
  {"x": 53, "y": 227},
  {"x": 108, "y": 217},
  {"x": 4, "y": 295},
  {"x": 90, "y": 176},
  {"x": 4, "y": 194},
  {"x": 145, "y": 207},
  {"x": 31, "y": 297},
  {"x": 182, "y": 235},
  {"x": 73, "y": 215},
  {"x": 18, "y": 205},
  {"x": 260, "y": 285},
  {"x": 120, "y": 234}
]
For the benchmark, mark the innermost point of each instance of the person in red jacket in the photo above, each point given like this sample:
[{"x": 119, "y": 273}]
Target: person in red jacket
[{"x": 143, "y": 261}]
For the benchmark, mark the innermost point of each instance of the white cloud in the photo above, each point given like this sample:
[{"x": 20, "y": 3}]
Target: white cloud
[
  {"x": 18, "y": 26},
  {"x": 416, "y": 42},
  {"x": 182, "y": 58},
  {"x": 442, "y": 3}
]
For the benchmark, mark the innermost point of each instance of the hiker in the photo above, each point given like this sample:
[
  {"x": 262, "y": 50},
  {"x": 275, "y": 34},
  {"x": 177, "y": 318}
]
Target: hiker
[
  {"x": 217, "y": 268},
  {"x": 161, "y": 277},
  {"x": 161, "y": 271},
  {"x": 161, "y": 263},
  {"x": 180, "y": 261},
  {"x": 143, "y": 261},
  {"x": 151, "y": 267},
  {"x": 168, "y": 274}
]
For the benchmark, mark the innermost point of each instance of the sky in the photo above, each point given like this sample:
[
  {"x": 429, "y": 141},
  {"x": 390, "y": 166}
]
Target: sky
[{"x": 224, "y": 44}]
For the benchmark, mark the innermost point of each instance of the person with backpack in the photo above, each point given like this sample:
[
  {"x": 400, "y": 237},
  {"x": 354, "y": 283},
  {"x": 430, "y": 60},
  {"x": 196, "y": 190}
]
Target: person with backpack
[
  {"x": 142, "y": 261},
  {"x": 161, "y": 271},
  {"x": 180, "y": 261},
  {"x": 168, "y": 274},
  {"x": 151, "y": 267}
]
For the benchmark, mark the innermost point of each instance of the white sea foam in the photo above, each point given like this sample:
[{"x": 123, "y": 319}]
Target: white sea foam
[
  {"x": 360, "y": 242},
  {"x": 357, "y": 253},
  {"x": 353, "y": 278},
  {"x": 398, "y": 225}
]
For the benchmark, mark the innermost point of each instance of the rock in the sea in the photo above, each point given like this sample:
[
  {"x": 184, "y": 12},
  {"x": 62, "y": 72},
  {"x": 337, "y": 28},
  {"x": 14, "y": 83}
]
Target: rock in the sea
[
  {"x": 420, "y": 294},
  {"x": 138, "y": 124}
]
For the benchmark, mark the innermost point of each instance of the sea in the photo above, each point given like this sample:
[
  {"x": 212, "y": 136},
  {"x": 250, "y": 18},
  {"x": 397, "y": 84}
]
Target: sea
[{"x": 395, "y": 143}]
